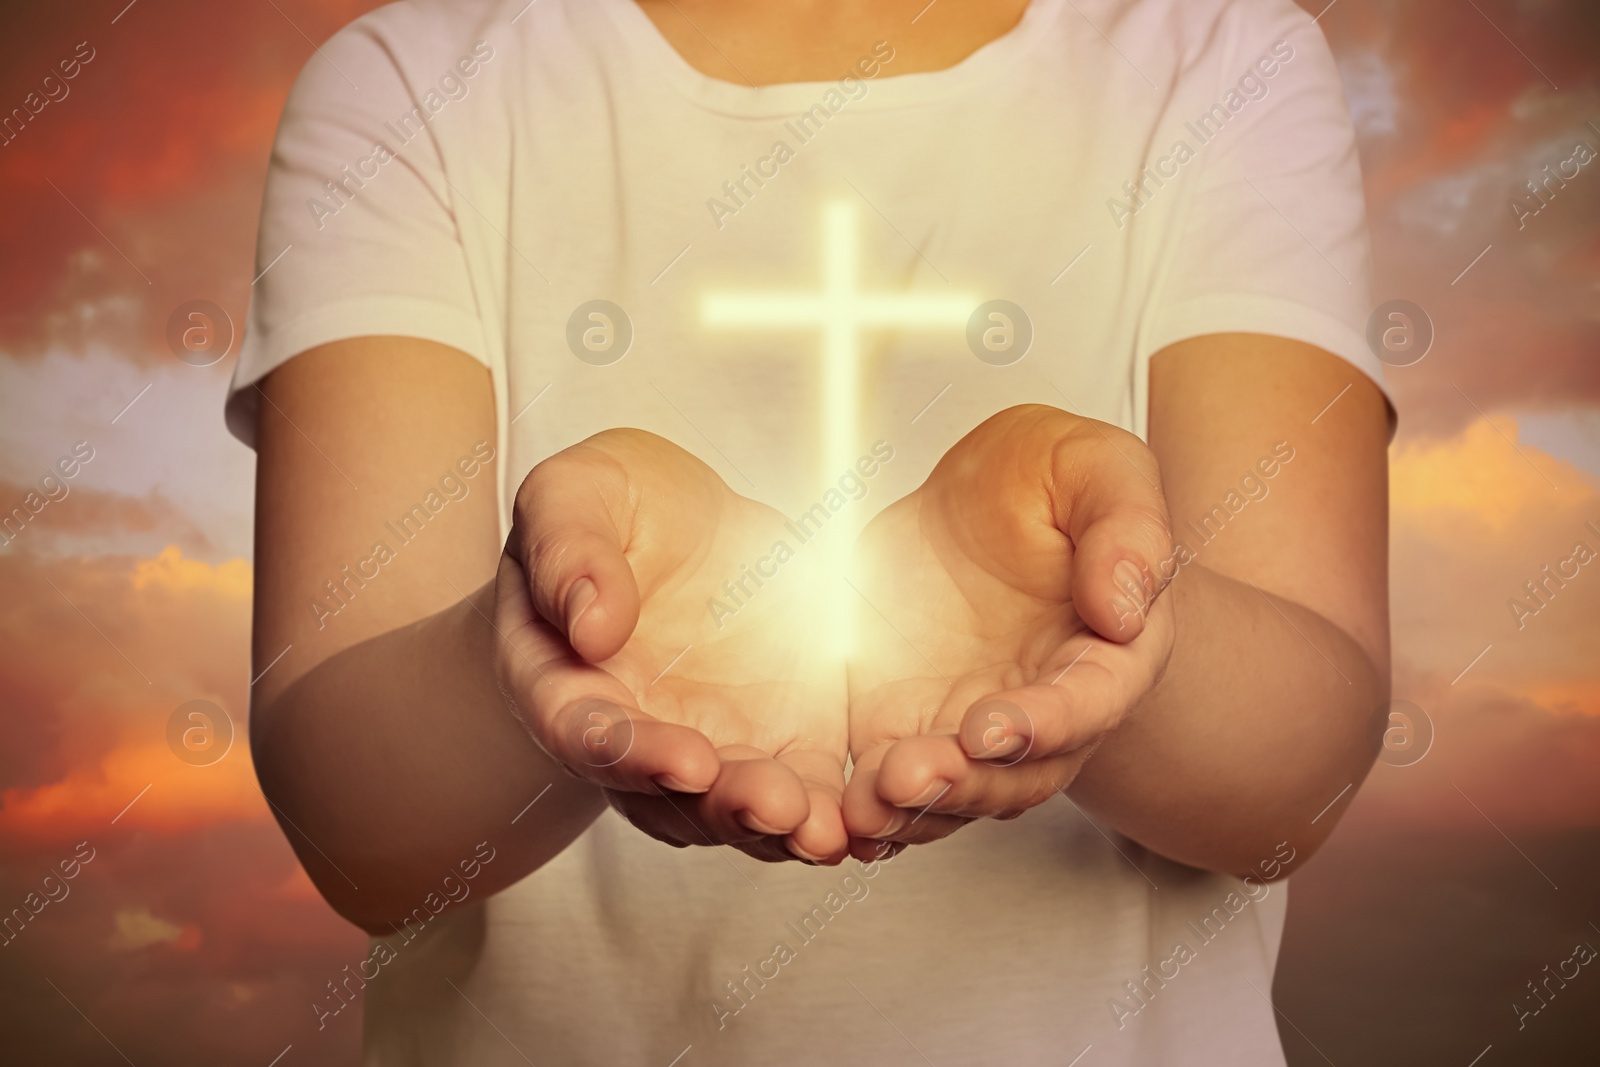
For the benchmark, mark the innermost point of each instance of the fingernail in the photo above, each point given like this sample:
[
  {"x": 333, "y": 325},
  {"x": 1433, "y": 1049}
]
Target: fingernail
[
  {"x": 935, "y": 790},
  {"x": 1129, "y": 577},
  {"x": 669, "y": 782},
  {"x": 897, "y": 822},
  {"x": 750, "y": 822},
  {"x": 995, "y": 729},
  {"x": 1007, "y": 746},
  {"x": 803, "y": 854},
  {"x": 602, "y": 731},
  {"x": 579, "y": 598},
  {"x": 1128, "y": 613}
]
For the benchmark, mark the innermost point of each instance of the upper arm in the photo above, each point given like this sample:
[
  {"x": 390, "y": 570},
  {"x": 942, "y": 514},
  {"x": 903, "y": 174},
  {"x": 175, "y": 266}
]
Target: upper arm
[
  {"x": 351, "y": 438},
  {"x": 1314, "y": 531}
]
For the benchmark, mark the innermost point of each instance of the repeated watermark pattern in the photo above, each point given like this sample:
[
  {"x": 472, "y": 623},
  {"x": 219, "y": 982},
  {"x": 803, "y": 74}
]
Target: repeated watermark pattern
[
  {"x": 1540, "y": 591},
  {"x": 998, "y": 332},
  {"x": 1253, "y": 85},
  {"x": 345, "y": 987},
  {"x": 737, "y": 192},
  {"x": 53, "y": 89},
  {"x": 54, "y": 888},
  {"x": 1140, "y": 992},
  {"x": 453, "y": 486},
  {"x": 455, "y": 84},
  {"x": 1253, "y": 486},
  {"x": 853, "y": 887},
  {"x": 55, "y": 485},
  {"x": 1543, "y": 188}
]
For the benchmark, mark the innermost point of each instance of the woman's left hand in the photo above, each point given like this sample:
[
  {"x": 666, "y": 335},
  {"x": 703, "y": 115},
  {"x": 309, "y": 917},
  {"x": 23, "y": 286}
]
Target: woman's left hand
[{"x": 1011, "y": 617}]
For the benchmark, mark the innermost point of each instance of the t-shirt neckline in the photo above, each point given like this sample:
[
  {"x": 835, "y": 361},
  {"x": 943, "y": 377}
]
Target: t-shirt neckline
[{"x": 656, "y": 56}]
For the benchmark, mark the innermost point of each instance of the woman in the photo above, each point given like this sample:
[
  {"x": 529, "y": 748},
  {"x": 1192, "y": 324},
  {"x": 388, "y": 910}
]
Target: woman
[{"x": 590, "y": 337}]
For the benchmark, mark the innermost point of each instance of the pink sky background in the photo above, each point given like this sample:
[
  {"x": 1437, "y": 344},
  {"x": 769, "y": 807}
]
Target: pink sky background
[{"x": 193, "y": 936}]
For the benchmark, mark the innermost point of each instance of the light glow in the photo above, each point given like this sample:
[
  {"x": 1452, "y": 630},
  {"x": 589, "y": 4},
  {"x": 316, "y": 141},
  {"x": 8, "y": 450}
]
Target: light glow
[{"x": 843, "y": 314}]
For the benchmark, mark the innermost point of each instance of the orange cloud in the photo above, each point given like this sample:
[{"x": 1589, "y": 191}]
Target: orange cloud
[
  {"x": 138, "y": 928},
  {"x": 172, "y": 573},
  {"x": 104, "y": 653},
  {"x": 1474, "y": 518},
  {"x": 140, "y": 787},
  {"x": 1475, "y": 477}
]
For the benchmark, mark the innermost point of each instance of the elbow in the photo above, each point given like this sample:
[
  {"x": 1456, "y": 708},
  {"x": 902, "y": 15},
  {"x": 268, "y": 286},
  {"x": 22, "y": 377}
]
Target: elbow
[
  {"x": 1273, "y": 862},
  {"x": 1302, "y": 809},
  {"x": 282, "y": 772},
  {"x": 1282, "y": 845},
  {"x": 373, "y": 923},
  {"x": 356, "y": 893}
]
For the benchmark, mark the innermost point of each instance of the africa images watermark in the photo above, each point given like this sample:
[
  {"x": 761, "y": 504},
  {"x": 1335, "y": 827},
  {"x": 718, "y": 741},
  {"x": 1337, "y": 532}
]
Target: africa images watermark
[
  {"x": 452, "y": 890},
  {"x": 1205, "y": 128},
  {"x": 1582, "y": 954},
  {"x": 1542, "y": 191},
  {"x": 452, "y": 487},
  {"x": 804, "y": 127},
  {"x": 55, "y": 889},
  {"x": 1141, "y": 991},
  {"x": 852, "y": 486},
  {"x": 811, "y": 925},
  {"x": 453, "y": 84},
  {"x": 52, "y": 89},
  {"x": 1550, "y": 582},
  {"x": 1253, "y": 488},
  {"x": 53, "y": 488}
]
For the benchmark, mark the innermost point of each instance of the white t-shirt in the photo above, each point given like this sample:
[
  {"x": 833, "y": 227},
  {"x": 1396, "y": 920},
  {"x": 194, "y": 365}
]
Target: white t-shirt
[{"x": 496, "y": 167}]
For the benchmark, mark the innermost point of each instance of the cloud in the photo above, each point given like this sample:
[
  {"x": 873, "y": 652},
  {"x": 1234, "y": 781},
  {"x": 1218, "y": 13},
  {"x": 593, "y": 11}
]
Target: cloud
[
  {"x": 172, "y": 573},
  {"x": 1498, "y": 758},
  {"x": 1570, "y": 435},
  {"x": 161, "y": 144},
  {"x": 137, "y": 928},
  {"x": 1369, "y": 89},
  {"x": 100, "y": 654},
  {"x": 1473, "y": 518},
  {"x": 237, "y": 980},
  {"x": 158, "y": 442},
  {"x": 86, "y": 512},
  {"x": 1448, "y": 136}
]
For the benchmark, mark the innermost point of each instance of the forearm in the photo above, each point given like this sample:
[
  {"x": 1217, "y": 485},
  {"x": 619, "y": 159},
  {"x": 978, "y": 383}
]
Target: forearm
[
  {"x": 1263, "y": 716},
  {"x": 389, "y": 762}
]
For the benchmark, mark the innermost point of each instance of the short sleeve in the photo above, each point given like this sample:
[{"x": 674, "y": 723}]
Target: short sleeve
[
  {"x": 358, "y": 235},
  {"x": 1273, "y": 239}
]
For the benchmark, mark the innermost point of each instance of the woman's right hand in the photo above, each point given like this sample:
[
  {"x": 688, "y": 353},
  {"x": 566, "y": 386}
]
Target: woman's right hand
[{"x": 703, "y": 727}]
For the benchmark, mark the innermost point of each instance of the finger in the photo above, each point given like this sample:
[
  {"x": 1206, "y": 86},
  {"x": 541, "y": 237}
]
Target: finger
[
  {"x": 754, "y": 792},
  {"x": 872, "y": 850},
  {"x": 620, "y": 747},
  {"x": 1107, "y": 497},
  {"x": 869, "y": 817},
  {"x": 822, "y": 837},
  {"x": 754, "y": 797},
  {"x": 1066, "y": 710},
  {"x": 933, "y": 775},
  {"x": 582, "y": 716},
  {"x": 569, "y": 535}
]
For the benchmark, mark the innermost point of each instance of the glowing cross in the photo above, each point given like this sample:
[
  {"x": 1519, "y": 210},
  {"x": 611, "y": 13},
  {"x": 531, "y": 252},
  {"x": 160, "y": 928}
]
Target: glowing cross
[{"x": 842, "y": 312}]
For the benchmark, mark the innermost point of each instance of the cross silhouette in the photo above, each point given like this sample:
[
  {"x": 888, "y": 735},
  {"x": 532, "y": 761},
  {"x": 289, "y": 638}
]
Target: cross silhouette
[{"x": 843, "y": 314}]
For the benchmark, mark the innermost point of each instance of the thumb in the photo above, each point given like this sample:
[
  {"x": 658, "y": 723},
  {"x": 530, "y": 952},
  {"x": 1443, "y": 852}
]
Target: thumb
[
  {"x": 1109, "y": 501},
  {"x": 569, "y": 532}
]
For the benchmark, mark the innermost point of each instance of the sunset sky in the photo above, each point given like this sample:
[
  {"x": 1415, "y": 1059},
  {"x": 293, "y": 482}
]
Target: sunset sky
[{"x": 192, "y": 935}]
